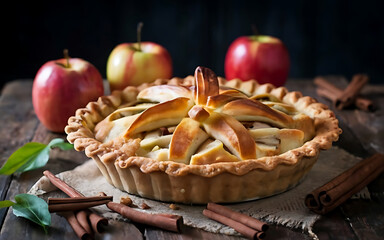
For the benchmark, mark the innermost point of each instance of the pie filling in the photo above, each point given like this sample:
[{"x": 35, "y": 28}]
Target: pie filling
[{"x": 206, "y": 124}]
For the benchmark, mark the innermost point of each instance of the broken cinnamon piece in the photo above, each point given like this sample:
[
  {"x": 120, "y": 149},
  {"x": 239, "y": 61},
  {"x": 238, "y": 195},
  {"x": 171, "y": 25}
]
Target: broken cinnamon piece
[
  {"x": 157, "y": 220},
  {"x": 77, "y": 228},
  {"x": 244, "y": 219},
  {"x": 328, "y": 90},
  {"x": 239, "y": 227},
  {"x": 329, "y": 196}
]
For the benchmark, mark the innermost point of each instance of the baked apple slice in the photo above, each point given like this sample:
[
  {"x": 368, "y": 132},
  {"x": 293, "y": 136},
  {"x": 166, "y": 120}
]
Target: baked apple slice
[
  {"x": 163, "y": 114},
  {"x": 163, "y": 93},
  {"x": 188, "y": 136},
  {"x": 212, "y": 152},
  {"x": 232, "y": 133},
  {"x": 206, "y": 85},
  {"x": 253, "y": 110}
]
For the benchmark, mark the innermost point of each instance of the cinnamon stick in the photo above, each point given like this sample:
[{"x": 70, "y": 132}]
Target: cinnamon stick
[
  {"x": 364, "y": 104},
  {"x": 96, "y": 222},
  {"x": 91, "y": 222},
  {"x": 244, "y": 219},
  {"x": 326, "y": 93},
  {"x": 78, "y": 199},
  {"x": 324, "y": 84},
  {"x": 239, "y": 227},
  {"x": 349, "y": 94},
  {"x": 128, "y": 212},
  {"x": 328, "y": 90},
  {"x": 77, "y": 228},
  {"x": 62, "y": 185},
  {"x": 171, "y": 223},
  {"x": 82, "y": 218},
  {"x": 329, "y": 196},
  {"x": 62, "y": 207}
]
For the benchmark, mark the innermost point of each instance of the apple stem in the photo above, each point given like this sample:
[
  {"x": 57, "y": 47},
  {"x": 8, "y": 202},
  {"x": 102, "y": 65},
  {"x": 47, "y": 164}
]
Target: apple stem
[
  {"x": 139, "y": 27},
  {"x": 254, "y": 30},
  {"x": 66, "y": 56}
]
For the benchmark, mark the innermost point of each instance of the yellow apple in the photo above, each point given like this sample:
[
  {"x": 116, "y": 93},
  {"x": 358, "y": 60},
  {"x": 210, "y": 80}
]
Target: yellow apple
[{"x": 130, "y": 66}]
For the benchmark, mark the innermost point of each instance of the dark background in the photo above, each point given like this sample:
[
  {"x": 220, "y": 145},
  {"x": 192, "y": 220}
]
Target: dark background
[{"x": 323, "y": 37}]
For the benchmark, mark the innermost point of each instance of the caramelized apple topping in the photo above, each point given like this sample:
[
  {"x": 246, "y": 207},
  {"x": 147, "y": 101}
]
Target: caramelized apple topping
[{"x": 206, "y": 124}]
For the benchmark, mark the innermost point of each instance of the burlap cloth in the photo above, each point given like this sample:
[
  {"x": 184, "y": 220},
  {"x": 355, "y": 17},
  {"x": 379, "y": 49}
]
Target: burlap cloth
[{"x": 286, "y": 209}]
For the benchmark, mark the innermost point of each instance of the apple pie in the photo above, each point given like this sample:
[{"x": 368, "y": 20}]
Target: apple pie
[{"x": 203, "y": 139}]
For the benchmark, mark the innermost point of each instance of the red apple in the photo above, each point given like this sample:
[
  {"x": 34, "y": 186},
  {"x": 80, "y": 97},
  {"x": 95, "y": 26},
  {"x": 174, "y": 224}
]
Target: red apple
[
  {"x": 263, "y": 58},
  {"x": 62, "y": 86},
  {"x": 136, "y": 63}
]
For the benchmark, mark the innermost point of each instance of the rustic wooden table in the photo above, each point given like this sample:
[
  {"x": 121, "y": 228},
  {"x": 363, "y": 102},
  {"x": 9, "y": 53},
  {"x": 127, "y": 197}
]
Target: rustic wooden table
[{"x": 356, "y": 219}]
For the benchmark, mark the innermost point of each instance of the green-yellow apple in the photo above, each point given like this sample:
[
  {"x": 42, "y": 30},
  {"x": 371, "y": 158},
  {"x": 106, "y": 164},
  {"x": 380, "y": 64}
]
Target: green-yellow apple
[
  {"x": 131, "y": 65},
  {"x": 62, "y": 86},
  {"x": 259, "y": 57}
]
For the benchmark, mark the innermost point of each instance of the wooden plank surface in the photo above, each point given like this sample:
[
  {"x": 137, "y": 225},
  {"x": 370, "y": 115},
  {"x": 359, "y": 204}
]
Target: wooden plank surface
[
  {"x": 356, "y": 219},
  {"x": 18, "y": 126}
]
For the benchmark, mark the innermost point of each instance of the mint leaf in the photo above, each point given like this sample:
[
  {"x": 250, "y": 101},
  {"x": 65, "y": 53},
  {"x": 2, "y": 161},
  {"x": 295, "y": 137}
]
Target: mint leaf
[
  {"x": 32, "y": 208},
  {"x": 31, "y": 156},
  {"x": 6, "y": 203}
]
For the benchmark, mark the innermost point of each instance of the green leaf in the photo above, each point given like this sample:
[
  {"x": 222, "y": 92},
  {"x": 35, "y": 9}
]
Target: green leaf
[
  {"x": 6, "y": 203},
  {"x": 31, "y": 156},
  {"x": 22, "y": 156},
  {"x": 32, "y": 208},
  {"x": 59, "y": 143},
  {"x": 36, "y": 161}
]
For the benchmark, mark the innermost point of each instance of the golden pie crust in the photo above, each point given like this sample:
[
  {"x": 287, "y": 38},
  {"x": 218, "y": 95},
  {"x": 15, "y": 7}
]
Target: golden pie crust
[{"x": 176, "y": 181}]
